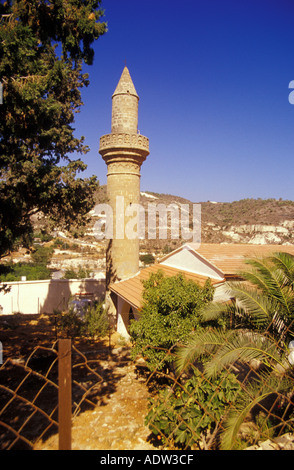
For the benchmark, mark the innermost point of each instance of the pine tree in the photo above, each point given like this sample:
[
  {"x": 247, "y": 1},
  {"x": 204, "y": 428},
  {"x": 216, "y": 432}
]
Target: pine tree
[{"x": 43, "y": 46}]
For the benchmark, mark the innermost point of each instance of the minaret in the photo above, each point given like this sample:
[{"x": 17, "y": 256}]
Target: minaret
[{"x": 124, "y": 151}]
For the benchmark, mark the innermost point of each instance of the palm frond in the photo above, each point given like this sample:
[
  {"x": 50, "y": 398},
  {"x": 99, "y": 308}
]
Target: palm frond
[
  {"x": 255, "y": 278},
  {"x": 285, "y": 262},
  {"x": 215, "y": 310},
  {"x": 253, "y": 395},
  {"x": 243, "y": 347},
  {"x": 202, "y": 343},
  {"x": 235, "y": 418},
  {"x": 259, "y": 308},
  {"x": 270, "y": 278}
]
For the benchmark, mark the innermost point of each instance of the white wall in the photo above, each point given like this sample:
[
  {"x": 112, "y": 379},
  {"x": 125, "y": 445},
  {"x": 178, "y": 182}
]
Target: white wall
[
  {"x": 188, "y": 260},
  {"x": 31, "y": 297},
  {"x": 123, "y": 309}
]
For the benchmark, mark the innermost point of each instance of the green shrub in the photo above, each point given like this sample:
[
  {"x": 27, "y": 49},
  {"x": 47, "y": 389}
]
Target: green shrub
[
  {"x": 14, "y": 271},
  {"x": 147, "y": 258},
  {"x": 96, "y": 321},
  {"x": 70, "y": 323},
  {"x": 42, "y": 255},
  {"x": 169, "y": 314},
  {"x": 190, "y": 413},
  {"x": 79, "y": 273},
  {"x": 93, "y": 323},
  {"x": 43, "y": 236}
]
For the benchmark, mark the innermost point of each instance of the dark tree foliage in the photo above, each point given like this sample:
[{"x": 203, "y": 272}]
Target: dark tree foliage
[
  {"x": 43, "y": 46},
  {"x": 169, "y": 314}
]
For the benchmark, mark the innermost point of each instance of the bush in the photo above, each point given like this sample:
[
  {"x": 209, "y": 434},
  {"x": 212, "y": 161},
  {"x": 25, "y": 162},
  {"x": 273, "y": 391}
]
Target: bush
[
  {"x": 169, "y": 314},
  {"x": 147, "y": 258},
  {"x": 96, "y": 321},
  {"x": 70, "y": 323},
  {"x": 43, "y": 236},
  {"x": 14, "y": 271},
  {"x": 79, "y": 273},
  {"x": 93, "y": 323},
  {"x": 42, "y": 255},
  {"x": 190, "y": 413}
]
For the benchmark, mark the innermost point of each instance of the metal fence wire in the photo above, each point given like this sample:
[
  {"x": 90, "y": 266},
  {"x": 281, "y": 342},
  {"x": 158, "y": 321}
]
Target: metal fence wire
[
  {"x": 30, "y": 394},
  {"x": 217, "y": 399}
]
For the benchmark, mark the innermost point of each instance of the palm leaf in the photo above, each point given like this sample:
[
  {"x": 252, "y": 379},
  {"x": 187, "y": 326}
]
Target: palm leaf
[
  {"x": 270, "y": 279},
  {"x": 243, "y": 346},
  {"x": 255, "y": 278},
  {"x": 201, "y": 343},
  {"x": 215, "y": 310},
  {"x": 259, "y": 308},
  {"x": 285, "y": 262},
  {"x": 254, "y": 394}
]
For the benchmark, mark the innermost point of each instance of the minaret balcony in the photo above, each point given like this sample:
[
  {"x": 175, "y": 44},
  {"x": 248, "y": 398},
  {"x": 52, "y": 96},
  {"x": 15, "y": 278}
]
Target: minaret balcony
[{"x": 124, "y": 141}]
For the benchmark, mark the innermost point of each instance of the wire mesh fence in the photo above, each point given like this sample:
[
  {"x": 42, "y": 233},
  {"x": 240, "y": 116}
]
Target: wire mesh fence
[
  {"x": 30, "y": 394},
  {"x": 221, "y": 390}
]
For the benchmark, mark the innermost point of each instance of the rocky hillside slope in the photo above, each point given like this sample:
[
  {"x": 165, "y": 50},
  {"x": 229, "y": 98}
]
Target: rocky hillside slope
[{"x": 258, "y": 221}]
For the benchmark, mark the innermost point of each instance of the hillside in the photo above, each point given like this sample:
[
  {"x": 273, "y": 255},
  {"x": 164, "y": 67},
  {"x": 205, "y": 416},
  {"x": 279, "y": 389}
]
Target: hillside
[
  {"x": 257, "y": 221},
  {"x": 246, "y": 221}
]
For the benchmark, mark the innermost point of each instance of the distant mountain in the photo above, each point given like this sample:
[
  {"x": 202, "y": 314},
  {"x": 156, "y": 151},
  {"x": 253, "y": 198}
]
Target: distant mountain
[{"x": 259, "y": 221}]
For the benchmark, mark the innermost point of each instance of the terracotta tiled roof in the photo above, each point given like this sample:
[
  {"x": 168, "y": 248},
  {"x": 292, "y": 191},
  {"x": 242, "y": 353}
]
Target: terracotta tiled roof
[
  {"x": 231, "y": 258},
  {"x": 131, "y": 289}
]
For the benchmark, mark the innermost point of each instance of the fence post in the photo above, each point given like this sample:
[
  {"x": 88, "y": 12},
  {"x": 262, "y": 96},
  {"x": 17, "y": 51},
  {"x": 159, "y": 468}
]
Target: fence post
[{"x": 64, "y": 393}]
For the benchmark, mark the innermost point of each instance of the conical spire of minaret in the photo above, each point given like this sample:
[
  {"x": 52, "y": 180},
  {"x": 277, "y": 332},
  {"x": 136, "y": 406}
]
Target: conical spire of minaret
[
  {"x": 125, "y": 84},
  {"x": 125, "y": 101},
  {"x": 124, "y": 151}
]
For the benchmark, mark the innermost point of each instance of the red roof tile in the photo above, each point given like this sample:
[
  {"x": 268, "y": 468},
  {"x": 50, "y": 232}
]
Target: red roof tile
[{"x": 131, "y": 289}]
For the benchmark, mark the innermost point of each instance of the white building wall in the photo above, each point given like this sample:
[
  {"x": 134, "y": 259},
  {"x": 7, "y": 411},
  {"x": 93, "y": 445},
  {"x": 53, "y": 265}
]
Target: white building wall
[
  {"x": 122, "y": 317},
  {"x": 189, "y": 261},
  {"x": 123, "y": 309},
  {"x": 32, "y": 297}
]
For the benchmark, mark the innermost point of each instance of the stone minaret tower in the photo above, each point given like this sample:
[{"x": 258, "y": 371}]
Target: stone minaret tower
[{"x": 124, "y": 151}]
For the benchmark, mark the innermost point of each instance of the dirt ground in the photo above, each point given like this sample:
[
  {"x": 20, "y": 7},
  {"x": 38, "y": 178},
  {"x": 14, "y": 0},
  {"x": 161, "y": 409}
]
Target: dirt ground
[{"x": 116, "y": 422}]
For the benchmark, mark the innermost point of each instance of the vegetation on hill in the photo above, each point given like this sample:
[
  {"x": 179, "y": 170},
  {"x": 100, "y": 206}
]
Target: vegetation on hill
[
  {"x": 245, "y": 221},
  {"x": 15, "y": 271},
  {"x": 34, "y": 270},
  {"x": 248, "y": 211},
  {"x": 220, "y": 221}
]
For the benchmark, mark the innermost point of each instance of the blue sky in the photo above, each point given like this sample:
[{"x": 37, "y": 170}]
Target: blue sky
[{"x": 213, "y": 79}]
